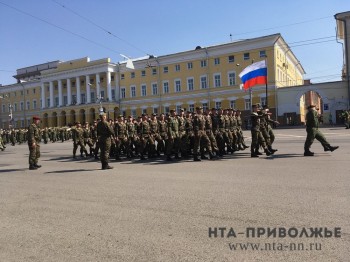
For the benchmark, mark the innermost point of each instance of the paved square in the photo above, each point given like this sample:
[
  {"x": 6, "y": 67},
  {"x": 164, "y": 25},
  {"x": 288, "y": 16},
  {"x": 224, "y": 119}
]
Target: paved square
[{"x": 158, "y": 211}]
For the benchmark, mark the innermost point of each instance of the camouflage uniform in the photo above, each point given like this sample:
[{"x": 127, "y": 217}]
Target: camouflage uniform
[
  {"x": 104, "y": 133},
  {"x": 201, "y": 140},
  {"x": 33, "y": 144}
]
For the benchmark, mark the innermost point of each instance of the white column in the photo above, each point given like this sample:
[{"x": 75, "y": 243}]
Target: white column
[
  {"x": 69, "y": 92},
  {"x": 109, "y": 90},
  {"x": 77, "y": 81},
  {"x": 51, "y": 95},
  {"x": 98, "y": 91},
  {"x": 88, "y": 90},
  {"x": 60, "y": 95},
  {"x": 43, "y": 98}
]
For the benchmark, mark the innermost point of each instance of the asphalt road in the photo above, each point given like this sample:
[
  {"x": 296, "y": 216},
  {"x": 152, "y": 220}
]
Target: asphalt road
[{"x": 158, "y": 211}]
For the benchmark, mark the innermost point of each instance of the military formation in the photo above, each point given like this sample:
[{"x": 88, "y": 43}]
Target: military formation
[
  {"x": 345, "y": 116},
  {"x": 198, "y": 135}
]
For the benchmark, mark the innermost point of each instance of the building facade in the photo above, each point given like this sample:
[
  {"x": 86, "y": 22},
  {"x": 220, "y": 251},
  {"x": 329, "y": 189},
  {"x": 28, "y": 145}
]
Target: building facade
[{"x": 63, "y": 93}]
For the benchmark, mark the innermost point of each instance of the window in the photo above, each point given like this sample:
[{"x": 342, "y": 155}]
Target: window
[
  {"x": 217, "y": 80},
  {"x": 34, "y": 104},
  {"x": 247, "y": 105},
  {"x": 22, "y": 123},
  {"x": 27, "y": 92},
  {"x": 217, "y": 105},
  {"x": 133, "y": 112},
  {"x": 205, "y": 106},
  {"x": 102, "y": 93},
  {"x": 263, "y": 101},
  {"x": 203, "y": 63},
  {"x": 154, "y": 71},
  {"x": 190, "y": 84},
  {"x": 132, "y": 74},
  {"x": 122, "y": 92},
  {"x": 166, "y": 109},
  {"x": 233, "y": 104},
  {"x": 122, "y": 76},
  {"x": 21, "y": 106},
  {"x": 165, "y": 69},
  {"x": 154, "y": 89},
  {"x": 113, "y": 94},
  {"x": 4, "y": 108},
  {"x": 133, "y": 91},
  {"x": 177, "y": 85},
  {"x": 165, "y": 87},
  {"x": 204, "y": 82},
  {"x": 144, "y": 110},
  {"x": 155, "y": 110},
  {"x": 112, "y": 78},
  {"x": 231, "y": 78},
  {"x": 93, "y": 99},
  {"x": 91, "y": 81},
  {"x": 83, "y": 98},
  {"x": 262, "y": 53},
  {"x": 177, "y": 68},
  {"x": 191, "y": 107},
  {"x": 231, "y": 58},
  {"x": 48, "y": 102},
  {"x": 189, "y": 65},
  {"x": 56, "y": 101},
  {"x": 15, "y": 107},
  {"x": 21, "y": 93},
  {"x": 143, "y": 90},
  {"x": 143, "y": 73},
  {"x": 34, "y": 90},
  {"x": 217, "y": 61},
  {"x": 178, "y": 109},
  {"x": 65, "y": 100},
  {"x": 246, "y": 56}
]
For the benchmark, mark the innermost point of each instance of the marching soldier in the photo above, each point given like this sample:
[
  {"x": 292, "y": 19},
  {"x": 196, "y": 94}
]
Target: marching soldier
[
  {"x": 87, "y": 138},
  {"x": 173, "y": 142},
  {"x": 240, "y": 136},
  {"x": 105, "y": 134},
  {"x": 78, "y": 140},
  {"x": 201, "y": 140},
  {"x": 162, "y": 128},
  {"x": 132, "y": 137},
  {"x": 257, "y": 137},
  {"x": 209, "y": 131},
  {"x": 121, "y": 138},
  {"x": 33, "y": 144},
  {"x": 313, "y": 132},
  {"x": 145, "y": 137}
]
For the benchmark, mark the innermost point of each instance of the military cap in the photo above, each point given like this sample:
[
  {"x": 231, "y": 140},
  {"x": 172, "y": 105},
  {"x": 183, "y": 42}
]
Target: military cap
[
  {"x": 102, "y": 114},
  {"x": 154, "y": 114},
  {"x": 172, "y": 110},
  {"x": 199, "y": 108},
  {"x": 36, "y": 118},
  {"x": 119, "y": 116}
]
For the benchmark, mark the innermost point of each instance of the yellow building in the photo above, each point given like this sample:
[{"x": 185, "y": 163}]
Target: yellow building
[{"x": 205, "y": 76}]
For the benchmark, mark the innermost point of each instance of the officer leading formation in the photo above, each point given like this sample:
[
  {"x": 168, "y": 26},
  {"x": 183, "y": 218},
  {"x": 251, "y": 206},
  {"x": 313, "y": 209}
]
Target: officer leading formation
[{"x": 199, "y": 135}]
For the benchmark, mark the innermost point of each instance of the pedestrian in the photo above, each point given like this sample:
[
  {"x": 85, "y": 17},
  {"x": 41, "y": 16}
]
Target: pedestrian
[
  {"x": 312, "y": 124},
  {"x": 104, "y": 133},
  {"x": 33, "y": 143}
]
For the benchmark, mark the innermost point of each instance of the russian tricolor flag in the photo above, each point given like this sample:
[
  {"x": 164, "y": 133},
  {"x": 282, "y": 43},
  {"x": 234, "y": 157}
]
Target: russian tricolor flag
[{"x": 255, "y": 74}]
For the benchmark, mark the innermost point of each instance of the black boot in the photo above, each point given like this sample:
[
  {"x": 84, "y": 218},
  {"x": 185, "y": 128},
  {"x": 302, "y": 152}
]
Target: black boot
[
  {"x": 195, "y": 158},
  {"x": 168, "y": 158},
  {"x": 257, "y": 152},
  {"x": 332, "y": 148},
  {"x": 267, "y": 152},
  {"x": 32, "y": 167},
  {"x": 211, "y": 156},
  {"x": 307, "y": 152},
  {"x": 271, "y": 149},
  {"x": 36, "y": 165},
  {"x": 203, "y": 156},
  {"x": 253, "y": 154}
]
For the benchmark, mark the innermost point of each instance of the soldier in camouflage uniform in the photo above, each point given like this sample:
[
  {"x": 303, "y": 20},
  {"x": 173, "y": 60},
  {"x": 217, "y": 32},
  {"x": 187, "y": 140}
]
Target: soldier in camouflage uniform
[
  {"x": 240, "y": 137},
  {"x": 2, "y": 146},
  {"x": 121, "y": 138},
  {"x": 33, "y": 143},
  {"x": 257, "y": 137},
  {"x": 173, "y": 142},
  {"x": 105, "y": 134},
  {"x": 78, "y": 140},
  {"x": 153, "y": 123},
  {"x": 162, "y": 129},
  {"x": 146, "y": 140},
  {"x": 87, "y": 138},
  {"x": 132, "y": 137},
  {"x": 189, "y": 134},
  {"x": 313, "y": 132},
  {"x": 45, "y": 133},
  {"x": 209, "y": 131},
  {"x": 233, "y": 129},
  {"x": 182, "y": 132},
  {"x": 201, "y": 140}
]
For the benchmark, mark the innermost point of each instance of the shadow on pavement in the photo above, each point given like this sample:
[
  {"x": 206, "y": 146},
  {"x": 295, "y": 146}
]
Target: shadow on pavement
[
  {"x": 13, "y": 170},
  {"x": 69, "y": 171}
]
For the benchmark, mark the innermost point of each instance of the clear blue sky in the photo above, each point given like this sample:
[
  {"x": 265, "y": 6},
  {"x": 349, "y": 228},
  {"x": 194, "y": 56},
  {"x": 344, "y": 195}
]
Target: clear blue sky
[{"x": 161, "y": 27}]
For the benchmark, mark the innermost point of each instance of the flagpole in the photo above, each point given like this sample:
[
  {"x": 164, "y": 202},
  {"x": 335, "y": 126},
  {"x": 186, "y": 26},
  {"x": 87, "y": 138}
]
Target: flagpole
[{"x": 266, "y": 95}]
